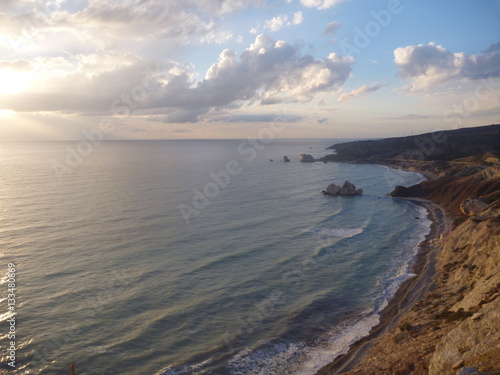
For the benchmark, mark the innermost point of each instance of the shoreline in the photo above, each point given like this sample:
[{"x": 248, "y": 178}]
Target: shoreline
[{"x": 409, "y": 292}]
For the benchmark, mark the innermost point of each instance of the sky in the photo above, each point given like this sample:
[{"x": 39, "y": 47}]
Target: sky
[{"x": 217, "y": 69}]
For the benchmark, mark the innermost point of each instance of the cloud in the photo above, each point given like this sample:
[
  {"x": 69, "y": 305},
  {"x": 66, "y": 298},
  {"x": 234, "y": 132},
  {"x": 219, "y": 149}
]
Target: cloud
[
  {"x": 321, "y": 4},
  {"x": 275, "y": 23},
  {"x": 104, "y": 24},
  {"x": 363, "y": 90},
  {"x": 256, "y": 118},
  {"x": 298, "y": 18},
  {"x": 410, "y": 116},
  {"x": 332, "y": 28},
  {"x": 493, "y": 48},
  {"x": 267, "y": 72},
  {"x": 82, "y": 83},
  {"x": 429, "y": 65},
  {"x": 279, "y": 22}
]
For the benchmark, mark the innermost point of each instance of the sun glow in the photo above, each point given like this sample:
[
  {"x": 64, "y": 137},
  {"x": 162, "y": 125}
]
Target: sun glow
[
  {"x": 6, "y": 112},
  {"x": 13, "y": 82}
]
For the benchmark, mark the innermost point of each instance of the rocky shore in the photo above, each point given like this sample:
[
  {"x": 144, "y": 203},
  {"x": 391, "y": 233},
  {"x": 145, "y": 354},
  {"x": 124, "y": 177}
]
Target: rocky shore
[{"x": 446, "y": 320}]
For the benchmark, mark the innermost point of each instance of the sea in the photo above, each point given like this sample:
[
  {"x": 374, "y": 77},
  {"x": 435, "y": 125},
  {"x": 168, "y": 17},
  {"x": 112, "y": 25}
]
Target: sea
[{"x": 193, "y": 256}]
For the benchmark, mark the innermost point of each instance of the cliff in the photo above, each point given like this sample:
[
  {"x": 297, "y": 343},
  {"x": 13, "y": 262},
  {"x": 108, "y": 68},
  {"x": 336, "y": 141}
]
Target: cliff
[
  {"x": 447, "y": 320},
  {"x": 440, "y": 145}
]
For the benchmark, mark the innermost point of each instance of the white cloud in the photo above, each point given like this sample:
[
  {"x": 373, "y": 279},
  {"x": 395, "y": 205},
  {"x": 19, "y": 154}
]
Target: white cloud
[
  {"x": 267, "y": 72},
  {"x": 321, "y": 4},
  {"x": 426, "y": 66},
  {"x": 363, "y": 90},
  {"x": 276, "y": 23},
  {"x": 298, "y": 18},
  {"x": 111, "y": 83},
  {"x": 281, "y": 21},
  {"x": 30, "y": 25}
]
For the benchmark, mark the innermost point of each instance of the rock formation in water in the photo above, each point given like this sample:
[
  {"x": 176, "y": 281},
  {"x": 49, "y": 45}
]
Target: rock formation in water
[
  {"x": 306, "y": 158},
  {"x": 286, "y": 159},
  {"x": 347, "y": 189}
]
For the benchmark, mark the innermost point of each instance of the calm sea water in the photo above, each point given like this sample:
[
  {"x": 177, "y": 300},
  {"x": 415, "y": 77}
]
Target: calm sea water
[{"x": 194, "y": 257}]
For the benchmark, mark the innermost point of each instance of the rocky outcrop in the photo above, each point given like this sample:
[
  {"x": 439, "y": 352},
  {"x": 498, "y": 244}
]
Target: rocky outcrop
[
  {"x": 400, "y": 191},
  {"x": 473, "y": 206},
  {"x": 469, "y": 264},
  {"x": 306, "y": 158},
  {"x": 468, "y": 342},
  {"x": 286, "y": 159},
  {"x": 347, "y": 189}
]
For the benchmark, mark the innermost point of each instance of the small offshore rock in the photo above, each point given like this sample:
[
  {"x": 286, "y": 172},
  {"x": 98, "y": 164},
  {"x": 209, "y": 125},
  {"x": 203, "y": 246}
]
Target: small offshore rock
[
  {"x": 286, "y": 159},
  {"x": 347, "y": 189},
  {"x": 306, "y": 158}
]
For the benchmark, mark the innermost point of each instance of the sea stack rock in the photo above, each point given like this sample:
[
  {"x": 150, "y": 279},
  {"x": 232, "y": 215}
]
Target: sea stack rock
[
  {"x": 347, "y": 189},
  {"x": 285, "y": 159},
  {"x": 306, "y": 158}
]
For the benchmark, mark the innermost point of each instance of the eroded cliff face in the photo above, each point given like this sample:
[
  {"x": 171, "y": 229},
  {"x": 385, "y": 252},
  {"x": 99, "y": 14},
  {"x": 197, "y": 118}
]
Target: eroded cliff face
[{"x": 469, "y": 268}]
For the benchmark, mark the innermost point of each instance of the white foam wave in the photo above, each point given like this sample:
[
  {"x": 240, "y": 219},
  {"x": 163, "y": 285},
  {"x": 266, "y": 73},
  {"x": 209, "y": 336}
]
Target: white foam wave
[
  {"x": 315, "y": 357},
  {"x": 340, "y": 232}
]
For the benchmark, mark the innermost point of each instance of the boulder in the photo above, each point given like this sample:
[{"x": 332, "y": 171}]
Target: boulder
[
  {"x": 306, "y": 158},
  {"x": 347, "y": 189},
  {"x": 285, "y": 159},
  {"x": 473, "y": 206}
]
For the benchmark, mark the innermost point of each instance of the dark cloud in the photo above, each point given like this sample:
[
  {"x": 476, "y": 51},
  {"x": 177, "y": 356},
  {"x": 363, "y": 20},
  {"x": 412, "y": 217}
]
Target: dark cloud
[{"x": 332, "y": 28}]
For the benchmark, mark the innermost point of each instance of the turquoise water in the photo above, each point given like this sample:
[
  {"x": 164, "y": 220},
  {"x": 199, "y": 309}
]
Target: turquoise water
[{"x": 195, "y": 257}]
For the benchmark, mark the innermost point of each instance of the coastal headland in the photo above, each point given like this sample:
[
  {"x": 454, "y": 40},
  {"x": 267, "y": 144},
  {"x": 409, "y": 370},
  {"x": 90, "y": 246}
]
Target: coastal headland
[{"x": 446, "y": 319}]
